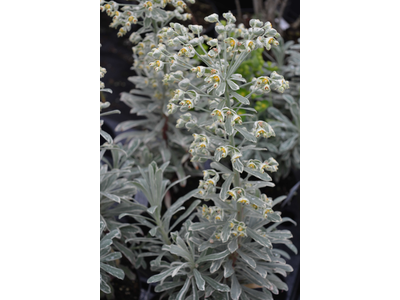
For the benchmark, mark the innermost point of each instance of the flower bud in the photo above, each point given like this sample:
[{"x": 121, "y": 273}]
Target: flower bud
[{"x": 212, "y": 18}]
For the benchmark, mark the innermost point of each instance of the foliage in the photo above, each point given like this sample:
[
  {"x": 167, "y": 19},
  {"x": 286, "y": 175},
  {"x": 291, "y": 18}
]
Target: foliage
[{"x": 196, "y": 100}]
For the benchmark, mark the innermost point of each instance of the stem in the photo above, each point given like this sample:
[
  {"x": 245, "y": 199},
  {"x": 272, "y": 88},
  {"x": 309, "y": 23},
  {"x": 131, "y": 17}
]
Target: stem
[{"x": 236, "y": 176}]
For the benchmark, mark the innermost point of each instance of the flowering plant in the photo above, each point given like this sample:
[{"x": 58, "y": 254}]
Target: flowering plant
[{"x": 227, "y": 244}]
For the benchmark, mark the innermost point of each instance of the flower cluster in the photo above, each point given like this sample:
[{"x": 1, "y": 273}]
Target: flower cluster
[
  {"x": 270, "y": 165},
  {"x": 145, "y": 10},
  {"x": 210, "y": 179}
]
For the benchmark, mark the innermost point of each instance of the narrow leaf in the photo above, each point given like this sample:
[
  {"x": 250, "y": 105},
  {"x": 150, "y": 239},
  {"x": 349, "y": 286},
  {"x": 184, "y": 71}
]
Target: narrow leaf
[{"x": 199, "y": 280}]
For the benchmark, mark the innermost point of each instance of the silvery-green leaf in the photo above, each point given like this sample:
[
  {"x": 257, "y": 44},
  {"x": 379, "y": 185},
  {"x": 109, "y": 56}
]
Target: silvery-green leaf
[
  {"x": 294, "y": 109},
  {"x": 240, "y": 98},
  {"x": 111, "y": 197},
  {"x": 258, "y": 238},
  {"x": 113, "y": 271},
  {"x": 256, "y": 201},
  {"x": 278, "y": 200},
  {"x": 104, "y": 287},
  {"x": 177, "y": 269},
  {"x": 288, "y": 98},
  {"x": 167, "y": 286},
  {"x": 105, "y": 243},
  {"x": 289, "y": 143},
  {"x": 147, "y": 22},
  {"x": 183, "y": 291},
  {"x": 228, "y": 269},
  {"x": 194, "y": 290},
  {"x": 263, "y": 272},
  {"x": 199, "y": 280},
  {"x": 106, "y": 90},
  {"x": 233, "y": 85},
  {"x": 112, "y": 256},
  {"x": 247, "y": 135},
  {"x": 214, "y": 256},
  {"x": 106, "y": 136},
  {"x": 247, "y": 258},
  {"x": 215, "y": 285},
  {"x": 161, "y": 276},
  {"x": 238, "y": 77},
  {"x": 216, "y": 264},
  {"x": 177, "y": 206},
  {"x": 256, "y": 295},
  {"x": 186, "y": 213},
  {"x": 152, "y": 209},
  {"x": 226, "y": 231},
  {"x": 279, "y": 116},
  {"x": 180, "y": 252},
  {"x": 201, "y": 226},
  {"x": 237, "y": 165},
  {"x": 236, "y": 288},
  {"x": 228, "y": 125},
  {"x": 263, "y": 176},
  {"x": 153, "y": 231},
  {"x": 274, "y": 217},
  {"x": 130, "y": 124},
  {"x": 220, "y": 167},
  {"x": 126, "y": 252},
  {"x": 233, "y": 245},
  {"x": 225, "y": 187},
  {"x": 220, "y": 89}
]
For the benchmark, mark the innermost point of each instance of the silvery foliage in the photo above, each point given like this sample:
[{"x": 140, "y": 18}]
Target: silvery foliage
[
  {"x": 120, "y": 180},
  {"x": 285, "y": 111},
  {"x": 230, "y": 246},
  {"x": 150, "y": 96}
]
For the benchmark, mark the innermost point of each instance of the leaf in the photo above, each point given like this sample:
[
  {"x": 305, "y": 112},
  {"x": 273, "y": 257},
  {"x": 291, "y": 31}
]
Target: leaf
[
  {"x": 288, "y": 144},
  {"x": 240, "y": 98},
  {"x": 199, "y": 280},
  {"x": 288, "y": 98},
  {"x": 177, "y": 269},
  {"x": 225, "y": 187},
  {"x": 152, "y": 209},
  {"x": 247, "y": 135},
  {"x": 263, "y": 176},
  {"x": 228, "y": 125},
  {"x": 233, "y": 85},
  {"x": 112, "y": 270},
  {"x": 153, "y": 231},
  {"x": 180, "y": 252},
  {"x": 201, "y": 226},
  {"x": 147, "y": 22},
  {"x": 195, "y": 292},
  {"x": 167, "y": 286},
  {"x": 228, "y": 269},
  {"x": 278, "y": 200},
  {"x": 174, "y": 207},
  {"x": 220, "y": 89},
  {"x": 236, "y": 288},
  {"x": 106, "y": 136},
  {"x": 111, "y": 197},
  {"x": 186, "y": 213},
  {"x": 111, "y": 256},
  {"x": 259, "y": 239},
  {"x": 233, "y": 245},
  {"x": 183, "y": 291},
  {"x": 247, "y": 258},
  {"x": 220, "y": 167},
  {"x": 104, "y": 287},
  {"x": 161, "y": 276},
  {"x": 226, "y": 231},
  {"x": 216, "y": 264},
  {"x": 279, "y": 116},
  {"x": 214, "y": 256},
  {"x": 215, "y": 285},
  {"x": 126, "y": 252},
  {"x": 130, "y": 124},
  {"x": 237, "y": 165}
]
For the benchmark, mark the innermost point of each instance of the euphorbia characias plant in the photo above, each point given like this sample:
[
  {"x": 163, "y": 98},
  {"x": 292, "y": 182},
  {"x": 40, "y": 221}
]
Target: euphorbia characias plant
[
  {"x": 230, "y": 246},
  {"x": 226, "y": 248}
]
